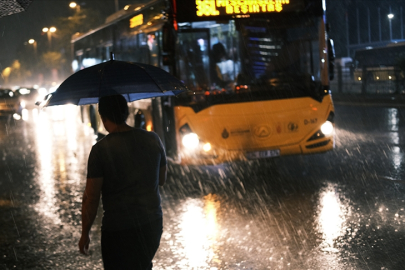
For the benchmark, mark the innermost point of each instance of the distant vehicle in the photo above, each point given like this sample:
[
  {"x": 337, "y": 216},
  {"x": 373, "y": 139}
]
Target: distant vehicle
[
  {"x": 29, "y": 95},
  {"x": 259, "y": 75},
  {"x": 379, "y": 64},
  {"x": 9, "y": 102}
]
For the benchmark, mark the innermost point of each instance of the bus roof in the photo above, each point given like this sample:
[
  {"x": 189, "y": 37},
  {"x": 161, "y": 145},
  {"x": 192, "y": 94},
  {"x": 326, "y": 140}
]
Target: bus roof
[{"x": 126, "y": 12}]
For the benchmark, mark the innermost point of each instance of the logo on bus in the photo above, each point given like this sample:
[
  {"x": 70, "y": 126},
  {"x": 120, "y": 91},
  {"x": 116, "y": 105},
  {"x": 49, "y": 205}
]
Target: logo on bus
[
  {"x": 310, "y": 121},
  {"x": 262, "y": 131},
  {"x": 225, "y": 134},
  {"x": 292, "y": 126}
]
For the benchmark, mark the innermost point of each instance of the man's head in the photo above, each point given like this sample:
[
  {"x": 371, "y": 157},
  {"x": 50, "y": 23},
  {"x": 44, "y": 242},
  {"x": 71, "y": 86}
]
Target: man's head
[{"x": 114, "y": 108}]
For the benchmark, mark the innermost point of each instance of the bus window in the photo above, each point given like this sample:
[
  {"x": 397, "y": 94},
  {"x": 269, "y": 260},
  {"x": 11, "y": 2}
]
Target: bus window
[
  {"x": 148, "y": 51},
  {"x": 279, "y": 60},
  {"x": 153, "y": 49},
  {"x": 194, "y": 59}
]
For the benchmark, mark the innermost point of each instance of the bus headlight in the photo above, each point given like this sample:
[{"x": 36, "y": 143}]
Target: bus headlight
[
  {"x": 207, "y": 147},
  {"x": 327, "y": 128},
  {"x": 190, "y": 141}
]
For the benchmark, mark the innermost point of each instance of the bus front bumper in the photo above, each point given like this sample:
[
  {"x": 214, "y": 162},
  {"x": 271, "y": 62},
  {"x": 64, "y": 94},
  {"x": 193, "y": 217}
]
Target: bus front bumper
[{"x": 220, "y": 156}]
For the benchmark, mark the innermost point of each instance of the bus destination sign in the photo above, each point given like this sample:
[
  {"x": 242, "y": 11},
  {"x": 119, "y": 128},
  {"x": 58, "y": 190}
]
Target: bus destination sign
[
  {"x": 241, "y": 7},
  {"x": 200, "y": 10}
]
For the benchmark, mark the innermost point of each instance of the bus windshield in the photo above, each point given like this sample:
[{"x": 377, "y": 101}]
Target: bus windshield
[{"x": 249, "y": 60}]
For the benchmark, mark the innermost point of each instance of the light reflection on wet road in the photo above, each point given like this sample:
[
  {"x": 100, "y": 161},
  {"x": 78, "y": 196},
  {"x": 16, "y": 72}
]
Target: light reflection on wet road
[{"x": 339, "y": 210}]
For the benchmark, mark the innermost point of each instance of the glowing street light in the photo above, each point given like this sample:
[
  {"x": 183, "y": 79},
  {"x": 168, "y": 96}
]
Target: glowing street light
[
  {"x": 5, "y": 74},
  {"x": 49, "y": 32},
  {"x": 51, "y": 29},
  {"x": 33, "y": 43},
  {"x": 390, "y": 17},
  {"x": 75, "y": 6}
]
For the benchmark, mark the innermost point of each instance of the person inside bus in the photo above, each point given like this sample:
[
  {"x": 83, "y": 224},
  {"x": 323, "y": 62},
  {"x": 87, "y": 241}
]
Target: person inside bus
[
  {"x": 223, "y": 71},
  {"x": 125, "y": 167}
]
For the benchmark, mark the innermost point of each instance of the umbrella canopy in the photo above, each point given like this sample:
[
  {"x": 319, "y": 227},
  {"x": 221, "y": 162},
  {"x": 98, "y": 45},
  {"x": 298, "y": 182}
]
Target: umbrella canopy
[
  {"x": 8, "y": 7},
  {"x": 132, "y": 80}
]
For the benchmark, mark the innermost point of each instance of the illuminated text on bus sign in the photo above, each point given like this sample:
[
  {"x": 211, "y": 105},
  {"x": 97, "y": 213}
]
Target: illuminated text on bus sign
[
  {"x": 242, "y": 7},
  {"x": 136, "y": 21}
]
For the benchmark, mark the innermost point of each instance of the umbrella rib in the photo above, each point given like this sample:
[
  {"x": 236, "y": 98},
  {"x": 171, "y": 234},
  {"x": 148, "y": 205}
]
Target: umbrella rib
[
  {"x": 101, "y": 79},
  {"x": 152, "y": 78}
]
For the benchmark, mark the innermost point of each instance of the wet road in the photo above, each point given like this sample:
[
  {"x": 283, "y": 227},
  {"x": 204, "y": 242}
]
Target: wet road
[{"x": 339, "y": 210}]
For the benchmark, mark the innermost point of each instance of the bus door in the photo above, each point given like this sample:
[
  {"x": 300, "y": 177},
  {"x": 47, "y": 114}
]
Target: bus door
[
  {"x": 193, "y": 58},
  {"x": 192, "y": 67}
]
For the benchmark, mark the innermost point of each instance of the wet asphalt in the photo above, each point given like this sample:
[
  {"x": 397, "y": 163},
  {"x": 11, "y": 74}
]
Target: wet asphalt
[{"x": 338, "y": 210}]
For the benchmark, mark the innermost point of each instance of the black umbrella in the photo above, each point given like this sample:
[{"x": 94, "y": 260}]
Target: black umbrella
[
  {"x": 8, "y": 7},
  {"x": 132, "y": 80}
]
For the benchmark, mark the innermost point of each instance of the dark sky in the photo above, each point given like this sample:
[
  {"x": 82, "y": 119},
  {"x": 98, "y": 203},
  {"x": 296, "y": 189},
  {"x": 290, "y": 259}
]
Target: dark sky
[
  {"x": 367, "y": 22},
  {"x": 19, "y": 28}
]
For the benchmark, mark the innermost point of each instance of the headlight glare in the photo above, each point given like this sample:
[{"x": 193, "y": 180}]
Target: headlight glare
[
  {"x": 327, "y": 128},
  {"x": 190, "y": 141},
  {"x": 16, "y": 116},
  {"x": 207, "y": 147}
]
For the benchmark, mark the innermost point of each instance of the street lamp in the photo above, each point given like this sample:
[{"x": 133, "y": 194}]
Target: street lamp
[
  {"x": 49, "y": 32},
  {"x": 390, "y": 17},
  {"x": 75, "y": 6},
  {"x": 5, "y": 74},
  {"x": 33, "y": 43}
]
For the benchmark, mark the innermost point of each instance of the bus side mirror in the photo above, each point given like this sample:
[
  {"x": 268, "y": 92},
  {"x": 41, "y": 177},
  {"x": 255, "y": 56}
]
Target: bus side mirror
[
  {"x": 168, "y": 38},
  {"x": 331, "y": 59}
]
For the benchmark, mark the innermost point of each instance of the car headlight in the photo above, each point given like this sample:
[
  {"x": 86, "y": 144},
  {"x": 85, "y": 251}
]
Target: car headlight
[
  {"x": 190, "y": 141},
  {"x": 42, "y": 91},
  {"x": 24, "y": 91},
  {"x": 16, "y": 116},
  {"x": 327, "y": 128}
]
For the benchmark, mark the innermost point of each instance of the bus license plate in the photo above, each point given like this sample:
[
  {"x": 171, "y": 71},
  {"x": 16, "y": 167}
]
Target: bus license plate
[{"x": 263, "y": 154}]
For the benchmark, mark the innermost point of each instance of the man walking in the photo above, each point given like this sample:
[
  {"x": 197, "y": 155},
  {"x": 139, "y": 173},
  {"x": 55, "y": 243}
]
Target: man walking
[{"x": 126, "y": 168}]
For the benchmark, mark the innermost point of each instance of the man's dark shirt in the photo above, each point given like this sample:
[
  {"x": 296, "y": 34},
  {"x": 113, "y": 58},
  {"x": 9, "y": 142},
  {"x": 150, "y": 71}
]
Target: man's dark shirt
[{"x": 129, "y": 163}]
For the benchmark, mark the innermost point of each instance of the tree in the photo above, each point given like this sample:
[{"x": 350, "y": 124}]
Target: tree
[
  {"x": 52, "y": 60},
  {"x": 81, "y": 21},
  {"x": 5, "y": 74},
  {"x": 54, "y": 64},
  {"x": 17, "y": 73}
]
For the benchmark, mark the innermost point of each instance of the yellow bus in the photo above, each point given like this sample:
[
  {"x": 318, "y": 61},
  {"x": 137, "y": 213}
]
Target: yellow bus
[{"x": 258, "y": 72}]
